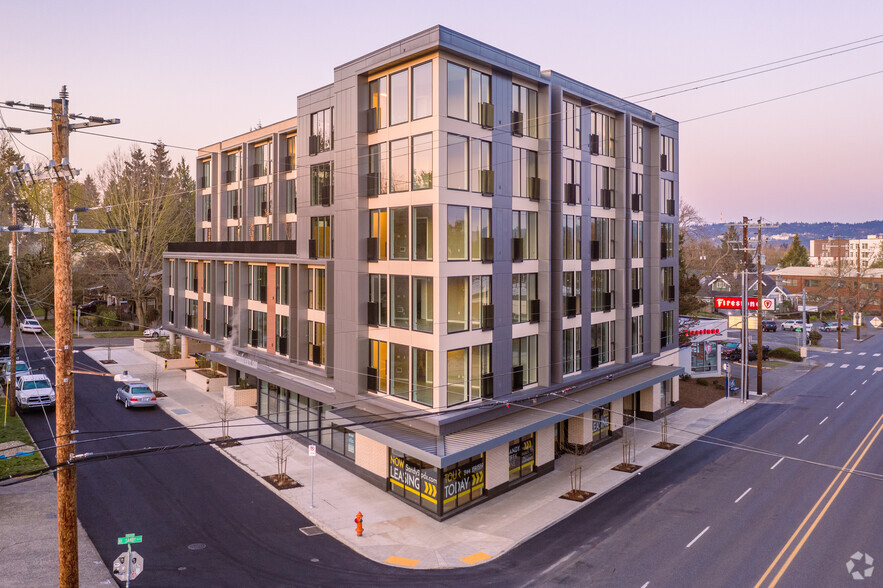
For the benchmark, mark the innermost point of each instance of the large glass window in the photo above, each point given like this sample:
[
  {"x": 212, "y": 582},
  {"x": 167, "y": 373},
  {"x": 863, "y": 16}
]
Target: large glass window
[
  {"x": 399, "y": 171},
  {"x": 458, "y": 161},
  {"x": 604, "y": 186},
  {"x": 282, "y": 347},
  {"x": 666, "y": 240},
  {"x": 572, "y": 350},
  {"x": 282, "y": 273},
  {"x": 482, "y": 372},
  {"x": 232, "y": 167},
  {"x": 637, "y": 192},
  {"x": 421, "y": 169},
  {"x": 573, "y": 239},
  {"x": 321, "y": 184},
  {"x": 458, "y": 304},
  {"x": 322, "y": 233},
  {"x": 602, "y": 343},
  {"x": 603, "y": 242},
  {"x": 290, "y": 152},
  {"x": 571, "y": 289},
  {"x": 401, "y": 301},
  {"x": 377, "y": 300},
  {"x": 422, "y": 233},
  {"x": 637, "y": 286},
  {"x": 228, "y": 279},
  {"x": 458, "y": 374},
  {"x": 637, "y": 144},
  {"x": 377, "y": 361},
  {"x": 257, "y": 283},
  {"x": 398, "y": 97},
  {"x": 422, "y": 376},
  {"x": 524, "y": 103},
  {"x": 637, "y": 335},
  {"x": 703, "y": 357},
  {"x": 401, "y": 371},
  {"x": 291, "y": 195},
  {"x": 524, "y": 234},
  {"x": 421, "y": 95},
  {"x": 524, "y": 291},
  {"x": 422, "y": 310},
  {"x": 604, "y": 127},
  {"x": 524, "y": 360},
  {"x": 667, "y": 283},
  {"x": 667, "y": 334},
  {"x": 458, "y": 106},
  {"x": 316, "y": 288},
  {"x": 667, "y": 160},
  {"x": 637, "y": 239},
  {"x": 482, "y": 302},
  {"x": 400, "y": 241},
  {"x": 571, "y": 125},
  {"x": 257, "y": 329},
  {"x": 524, "y": 173},
  {"x": 316, "y": 342},
  {"x": 207, "y": 277},
  {"x": 261, "y": 203},
  {"x": 205, "y": 167},
  {"x": 482, "y": 167},
  {"x": 378, "y": 162},
  {"x": 480, "y": 93},
  {"x": 260, "y": 165},
  {"x": 602, "y": 290},
  {"x": 377, "y": 229},
  {"x": 377, "y": 99},
  {"x": 458, "y": 233},
  {"x": 481, "y": 229},
  {"x": 232, "y": 204},
  {"x": 572, "y": 181},
  {"x": 321, "y": 131},
  {"x": 668, "y": 197}
]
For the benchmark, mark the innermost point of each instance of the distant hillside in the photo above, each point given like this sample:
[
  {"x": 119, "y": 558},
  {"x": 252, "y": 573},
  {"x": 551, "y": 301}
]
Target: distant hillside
[{"x": 807, "y": 231}]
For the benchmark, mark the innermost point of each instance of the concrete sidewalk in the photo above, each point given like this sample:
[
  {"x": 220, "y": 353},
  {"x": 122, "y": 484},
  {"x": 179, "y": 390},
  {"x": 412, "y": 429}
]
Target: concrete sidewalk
[{"x": 396, "y": 533}]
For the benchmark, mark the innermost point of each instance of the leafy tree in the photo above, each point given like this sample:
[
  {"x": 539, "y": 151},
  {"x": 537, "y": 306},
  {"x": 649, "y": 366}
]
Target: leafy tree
[{"x": 796, "y": 256}]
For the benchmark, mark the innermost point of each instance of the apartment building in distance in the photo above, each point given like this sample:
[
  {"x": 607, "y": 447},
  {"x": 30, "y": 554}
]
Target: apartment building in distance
[
  {"x": 856, "y": 253},
  {"x": 450, "y": 268}
]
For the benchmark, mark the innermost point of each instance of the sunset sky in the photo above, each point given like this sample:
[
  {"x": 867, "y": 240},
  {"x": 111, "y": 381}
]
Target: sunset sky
[{"x": 192, "y": 73}]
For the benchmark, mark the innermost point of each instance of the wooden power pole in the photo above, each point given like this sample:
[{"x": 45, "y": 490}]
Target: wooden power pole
[
  {"x": 13, "y": 324},
  {"x": 759, "y": 309},
  {"x": 68, "y": 567}
]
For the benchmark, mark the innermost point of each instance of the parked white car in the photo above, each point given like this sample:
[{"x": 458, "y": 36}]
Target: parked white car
[
  {"x": 156, "y": 332},
  {"x": 793, "y": 325},
  {"x": 31, "y": 325},
  {"x": 34, "y": 391}
]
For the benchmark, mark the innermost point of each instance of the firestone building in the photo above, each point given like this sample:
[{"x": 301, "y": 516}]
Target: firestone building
[{"x": 452, "y": 267}]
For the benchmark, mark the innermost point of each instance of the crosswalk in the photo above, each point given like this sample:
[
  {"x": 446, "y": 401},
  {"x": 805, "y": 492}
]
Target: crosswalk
[{"x": 845, "y": 366}]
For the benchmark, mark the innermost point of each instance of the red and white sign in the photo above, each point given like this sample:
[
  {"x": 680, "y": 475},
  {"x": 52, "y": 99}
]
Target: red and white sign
[{"x": 735, "y": 302}]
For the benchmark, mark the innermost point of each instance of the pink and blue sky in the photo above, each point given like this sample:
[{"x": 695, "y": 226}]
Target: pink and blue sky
[{"x": 192, "y": 73}]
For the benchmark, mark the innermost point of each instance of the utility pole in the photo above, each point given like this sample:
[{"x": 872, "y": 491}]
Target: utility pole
[
  {"x": 759, "y": 309},
  {"x": 13, "y": 324},
  {"x": 745, "y": 343},
  {"x": 61, "y": 175},
  {"x": 839, "y": 301},
  {"x": 858, "y": 295}
]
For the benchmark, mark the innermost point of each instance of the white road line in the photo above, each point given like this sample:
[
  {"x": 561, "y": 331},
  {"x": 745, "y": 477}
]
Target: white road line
[
  {"x": 829, "y": 365},
  {"x": 838, "y": 406},
  {"x": 853, "y": 392},
  {"x": 877, "y": 369},
  {"x": 695, "y": 539},
  {"x": 859, "y": 367},
  {"x": 802, "y": 440},
  {"x": 876, "y": 355},
  {"x": 777, "y": 463},
  {"x": 865, "y": 382},
  {"x": 847, "y": 353},
  {"x": 743, "y": 495},
  {"x": 845, "y": 365},
  {"x": 823, "y": 420},
  {"x": 862, "y": 353},
  {"x": 647, "y": 583}
]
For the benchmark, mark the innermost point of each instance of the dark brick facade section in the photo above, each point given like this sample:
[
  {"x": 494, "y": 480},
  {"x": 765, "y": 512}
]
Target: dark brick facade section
[{"x": 287, "y": 247}]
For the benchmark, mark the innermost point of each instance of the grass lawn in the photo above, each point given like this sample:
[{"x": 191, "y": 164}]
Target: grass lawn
[
  {"x": 108, "y": 334},
  {"x": 15, "y": 431}
]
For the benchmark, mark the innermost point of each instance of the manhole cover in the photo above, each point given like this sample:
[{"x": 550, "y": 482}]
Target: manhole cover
[
  {"x": 196, "y": 546},
  {"x": 310, "y": 531},
  {"x": 180, "y": 411}
]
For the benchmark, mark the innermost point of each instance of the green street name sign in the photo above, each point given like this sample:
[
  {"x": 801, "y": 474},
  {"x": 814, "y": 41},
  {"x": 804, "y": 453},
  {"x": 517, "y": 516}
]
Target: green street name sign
[{"x": 129, "y": 538}]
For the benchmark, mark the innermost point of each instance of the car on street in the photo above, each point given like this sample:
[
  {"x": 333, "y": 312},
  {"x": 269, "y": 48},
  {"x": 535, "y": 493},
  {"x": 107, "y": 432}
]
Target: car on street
[
  {"x": 33, "y": 391},
  {"x": 793, "y": 325},
  {"x": 832, "y": 326},
  {"x": 768, "y": 326},
  {"x": 134, "y": 393},
  {"x": 31, "y": 325},
  {"x": 155, "y": 332},
  {"x": 21, "y": 368},
  {"x": 735, "y": 353}
]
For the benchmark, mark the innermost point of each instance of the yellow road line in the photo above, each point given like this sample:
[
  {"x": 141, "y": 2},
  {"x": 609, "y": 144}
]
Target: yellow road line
[
  {"x": 402, "y": 561},
  {"x": 818, "y": 502},
  {"x": 475, "y": 558}
]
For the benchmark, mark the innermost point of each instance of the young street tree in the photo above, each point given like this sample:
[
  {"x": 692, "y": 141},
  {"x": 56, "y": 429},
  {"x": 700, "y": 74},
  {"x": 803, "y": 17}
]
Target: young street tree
[
  {"x": 796, "y": 256},
  {"x": 147, "y": 201}
]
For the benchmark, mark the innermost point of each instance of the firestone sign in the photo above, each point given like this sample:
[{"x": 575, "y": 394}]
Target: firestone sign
[{"x": 735, "y": 302}]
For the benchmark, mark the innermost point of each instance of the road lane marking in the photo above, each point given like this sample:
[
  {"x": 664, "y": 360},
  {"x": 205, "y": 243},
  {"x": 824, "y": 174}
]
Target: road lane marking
[
  {"x": 853, "y": 392},
  {"x": 838, "y": 406},
  {"x": 823, "y": 420},
  {"x": 877, "y": 369},
  {"x": 818, "y": 502},
  {"x": 859, "y": 367},
  {"x": 743, "y": 495},
  {"x": 802, "y": 440},
  {"x": 829, "y": 365},
  {"x": 862, "y": 353},
  {"x": 876, "y": 355},
  {"x": 824, "y": 510},
  {"x": 847, "y": 353},
  {"x": 696, "y": 538},
  {"x": 845, "y": 365},
  {"x": 865, "y": 382},
  {"x": 647, "y": 583},
  {"x": 777, "y": 463}
]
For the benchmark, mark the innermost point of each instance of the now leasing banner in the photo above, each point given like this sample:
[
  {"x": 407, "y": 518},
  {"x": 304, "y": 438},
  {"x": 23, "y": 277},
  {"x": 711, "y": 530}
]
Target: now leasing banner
[{"x": 735, "y": 302}]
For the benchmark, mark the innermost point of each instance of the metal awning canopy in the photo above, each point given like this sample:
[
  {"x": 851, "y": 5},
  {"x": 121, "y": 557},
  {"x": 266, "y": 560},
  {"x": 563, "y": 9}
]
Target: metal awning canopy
[
  {"x": 517, "y": 421},
  {"x": 283, "y": 379}
]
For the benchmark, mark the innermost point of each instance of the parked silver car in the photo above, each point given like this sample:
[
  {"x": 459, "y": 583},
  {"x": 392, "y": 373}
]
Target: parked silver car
[
  {"x": 134, "y": 393},
  {"x": 156, "y": 332}
]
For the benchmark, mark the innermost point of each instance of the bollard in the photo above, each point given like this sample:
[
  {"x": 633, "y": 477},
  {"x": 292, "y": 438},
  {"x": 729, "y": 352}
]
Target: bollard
[{"x": 165, "y": 365}]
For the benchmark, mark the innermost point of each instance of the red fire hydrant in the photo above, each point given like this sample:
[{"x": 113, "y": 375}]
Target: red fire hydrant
[{"x": 359, "y": 528}]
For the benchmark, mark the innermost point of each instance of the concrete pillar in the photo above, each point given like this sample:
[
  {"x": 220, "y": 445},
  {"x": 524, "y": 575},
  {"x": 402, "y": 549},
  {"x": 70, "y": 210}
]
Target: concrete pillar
[
  {"x": 579, "y": 429},
  {"x": 185, "y": 346},
  {"x": 545, "y": 445},
  {"x": 616, "y": 414}
]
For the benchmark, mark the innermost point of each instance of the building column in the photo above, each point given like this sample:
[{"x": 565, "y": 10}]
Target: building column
[
  {"x": 545, "y": 451},
  {"x": 497, "y": 466},
  {"x": 616, "y": 415}
]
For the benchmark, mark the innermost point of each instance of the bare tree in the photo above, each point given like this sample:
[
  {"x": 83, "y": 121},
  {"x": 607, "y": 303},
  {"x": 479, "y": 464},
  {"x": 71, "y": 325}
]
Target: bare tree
[
  {"x": 280, "y": 448},
  {"x": 225, "y": 410}
]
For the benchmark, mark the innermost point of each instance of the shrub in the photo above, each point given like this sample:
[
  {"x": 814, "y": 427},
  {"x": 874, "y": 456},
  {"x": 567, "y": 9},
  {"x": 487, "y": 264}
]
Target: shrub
[
  {"x": 108, "y": 319},
  {"x": 686, "y": 377},
  {"x": 786, "y": 353},
  {"x": 702, "y": 382},
  {"x": 719, "y": 386},
  {"x": 814, "y": 337}
]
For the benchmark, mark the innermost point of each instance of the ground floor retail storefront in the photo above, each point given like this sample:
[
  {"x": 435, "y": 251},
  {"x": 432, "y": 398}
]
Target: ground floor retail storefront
[{"x": 443, "y": 475}]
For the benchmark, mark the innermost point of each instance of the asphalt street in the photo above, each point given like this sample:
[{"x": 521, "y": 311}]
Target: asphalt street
[{"x": 710, "y": 515}]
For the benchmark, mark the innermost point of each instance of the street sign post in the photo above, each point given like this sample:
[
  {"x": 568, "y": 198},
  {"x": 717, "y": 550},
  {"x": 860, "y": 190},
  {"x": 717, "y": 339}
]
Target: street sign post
[
  {"x": 312, "y": 454},
  {"x": 129, "y": 564}
]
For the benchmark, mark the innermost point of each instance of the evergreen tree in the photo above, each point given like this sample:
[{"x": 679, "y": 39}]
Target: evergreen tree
[
  {"x": 796, "y": 256},
  {"x": 186, "y": 195}
]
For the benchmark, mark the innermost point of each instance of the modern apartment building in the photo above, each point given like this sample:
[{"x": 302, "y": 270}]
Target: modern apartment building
[
  {"x": 450, "y": 268},
  {"x": 856, "y": 253}
]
